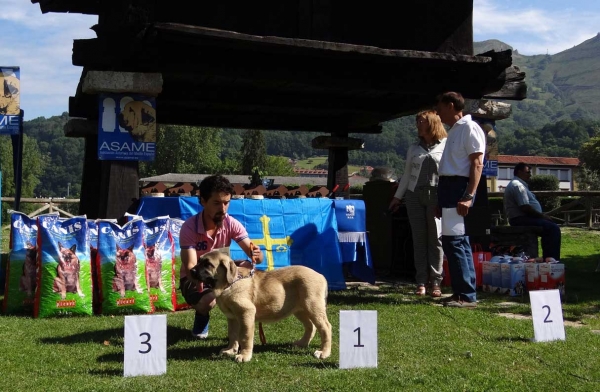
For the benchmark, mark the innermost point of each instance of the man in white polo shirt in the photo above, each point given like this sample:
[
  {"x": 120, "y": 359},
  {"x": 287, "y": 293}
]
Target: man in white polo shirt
[{"x": 459, "y": 173}]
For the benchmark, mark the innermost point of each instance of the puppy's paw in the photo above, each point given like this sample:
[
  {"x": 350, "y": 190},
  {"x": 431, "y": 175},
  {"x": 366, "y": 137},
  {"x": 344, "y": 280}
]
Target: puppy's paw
[
  {"x": 243, "y": 358},
  {"x": 321, "y": 355},
  {"x": 81, "y": 294},
  {"x": 228, "y": 352}
]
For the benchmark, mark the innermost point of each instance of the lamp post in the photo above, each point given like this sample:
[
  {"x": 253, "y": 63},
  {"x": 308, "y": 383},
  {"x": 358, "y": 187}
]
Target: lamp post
[{"x": 68, "y": 189}]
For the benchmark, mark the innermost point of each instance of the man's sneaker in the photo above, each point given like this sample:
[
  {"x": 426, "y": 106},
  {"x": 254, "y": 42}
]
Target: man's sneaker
[
  {"x": 461, "y": 304},
  {"x": 200, "y": 329}
]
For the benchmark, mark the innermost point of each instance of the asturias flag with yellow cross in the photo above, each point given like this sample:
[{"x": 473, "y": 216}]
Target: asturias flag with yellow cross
[{"x": 292, "y": 232}]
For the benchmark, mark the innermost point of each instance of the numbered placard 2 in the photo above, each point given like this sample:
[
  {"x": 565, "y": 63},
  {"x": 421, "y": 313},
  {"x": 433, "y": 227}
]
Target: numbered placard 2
[
  {"x": 546, "y": 311},
  {"x": 358, "y": 339},
  {"x": 145, "y": 345}
]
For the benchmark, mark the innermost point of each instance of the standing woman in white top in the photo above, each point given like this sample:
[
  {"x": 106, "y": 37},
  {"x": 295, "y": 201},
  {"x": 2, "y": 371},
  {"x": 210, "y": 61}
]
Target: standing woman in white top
[{"x": 418, "y": 188}]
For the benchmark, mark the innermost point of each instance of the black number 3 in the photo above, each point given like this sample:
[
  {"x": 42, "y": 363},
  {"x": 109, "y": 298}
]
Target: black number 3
[
  {"x": 548, "y": 315},
  {"x": 147, "y": 335}
]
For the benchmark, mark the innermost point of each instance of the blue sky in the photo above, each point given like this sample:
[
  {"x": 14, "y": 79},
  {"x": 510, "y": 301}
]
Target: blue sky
[{"x": 41, "y": 44}]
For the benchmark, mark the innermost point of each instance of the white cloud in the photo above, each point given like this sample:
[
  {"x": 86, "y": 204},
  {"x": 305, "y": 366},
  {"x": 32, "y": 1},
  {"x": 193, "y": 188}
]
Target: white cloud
[{"x": 531, "y": 29}]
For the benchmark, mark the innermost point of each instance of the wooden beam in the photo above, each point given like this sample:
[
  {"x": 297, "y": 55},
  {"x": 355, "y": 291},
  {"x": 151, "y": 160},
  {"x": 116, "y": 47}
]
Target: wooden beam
[{"x": 144, "y": 83}]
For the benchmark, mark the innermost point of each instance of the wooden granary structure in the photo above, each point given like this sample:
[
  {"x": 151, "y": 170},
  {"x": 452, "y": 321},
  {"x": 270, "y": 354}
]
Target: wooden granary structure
[{"x": 334, "y": 66}]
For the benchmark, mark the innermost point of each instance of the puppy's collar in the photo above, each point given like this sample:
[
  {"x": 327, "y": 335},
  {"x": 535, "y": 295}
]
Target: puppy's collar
[{"x": 241, "y": 277}]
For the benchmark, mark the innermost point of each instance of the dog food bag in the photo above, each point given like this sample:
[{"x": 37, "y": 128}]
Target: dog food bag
[
  {"x": 159, "y": 263},
  {"x": 174, "y": 229},
  {"x": 93, "y": 234},
  {"x": 122, "y": 268},
  {"x": 21, "y": 270},
  {"x": 65, "y": 268}
]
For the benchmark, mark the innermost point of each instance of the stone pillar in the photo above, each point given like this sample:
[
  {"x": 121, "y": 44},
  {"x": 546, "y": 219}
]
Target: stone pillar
[{"x": 109, "y": 188}]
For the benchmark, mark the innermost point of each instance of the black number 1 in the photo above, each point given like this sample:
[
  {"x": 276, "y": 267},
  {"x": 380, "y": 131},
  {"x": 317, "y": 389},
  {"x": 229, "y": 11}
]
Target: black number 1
[
  {"x": 358, "y": 345},
  {"x": 548, "y": 315},
  {"x": 146, "y": 343}
]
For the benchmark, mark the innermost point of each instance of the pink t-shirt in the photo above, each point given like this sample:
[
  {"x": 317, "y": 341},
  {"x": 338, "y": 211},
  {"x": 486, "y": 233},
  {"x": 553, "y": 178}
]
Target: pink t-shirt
[{"x": 193, "y": 236}]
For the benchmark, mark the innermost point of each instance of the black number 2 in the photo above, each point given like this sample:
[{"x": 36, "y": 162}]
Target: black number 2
[
  {"x": 548, "y": 315},
  {"x": 358, "y": 345},
  {"x": 147, "y": 335}
]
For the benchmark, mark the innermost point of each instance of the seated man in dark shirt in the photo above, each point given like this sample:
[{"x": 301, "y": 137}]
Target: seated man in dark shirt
[{"x": 523, "y": 209}]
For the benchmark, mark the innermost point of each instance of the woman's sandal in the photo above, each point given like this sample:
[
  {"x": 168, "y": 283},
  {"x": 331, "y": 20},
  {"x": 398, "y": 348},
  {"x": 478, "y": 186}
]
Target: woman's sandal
[
  {"x": 421, "y": 290},
  {"x": 436, "y": 291}
]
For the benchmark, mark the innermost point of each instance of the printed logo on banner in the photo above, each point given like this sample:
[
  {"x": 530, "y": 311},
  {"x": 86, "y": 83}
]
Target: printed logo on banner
[
  {"x": 490, "y": 168},
  {"x": 10, "y": 100},
  {"x": 127, "y": 127},
  {"x": 350, "y": 211}
]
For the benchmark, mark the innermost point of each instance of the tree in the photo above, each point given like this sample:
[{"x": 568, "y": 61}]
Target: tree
[
  {"x": 254, "y": 152},
  {"x": 182, "y": 149},
  {"x": 587, "y": 180},
  {"x": 33, "y": 167},
  {"x": 279, "y": 166},
  {"x": 589, "y": 153}
]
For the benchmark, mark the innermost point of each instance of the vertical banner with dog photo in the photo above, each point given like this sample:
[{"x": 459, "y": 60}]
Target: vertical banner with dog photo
[
  {"x": 126, "y": 127},
  {"x": 10, "y": 105},
  {"x": 64, "y": 284}
]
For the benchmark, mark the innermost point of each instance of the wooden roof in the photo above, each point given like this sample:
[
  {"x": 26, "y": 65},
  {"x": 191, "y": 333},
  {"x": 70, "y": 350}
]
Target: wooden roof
[{"x": 349, "y": 73}]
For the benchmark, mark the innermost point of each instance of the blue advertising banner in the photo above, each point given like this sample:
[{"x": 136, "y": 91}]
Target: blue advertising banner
[
  {"x": 10, "y": 94},
  {"x": 127, "y": 127}
]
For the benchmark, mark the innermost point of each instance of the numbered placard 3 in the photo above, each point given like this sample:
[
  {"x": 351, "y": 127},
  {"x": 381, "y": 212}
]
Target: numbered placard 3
[
  {"x": 145, "y": 345},
  {"x": 546, "y": 311},
  {"x": 358, "y": 339}
]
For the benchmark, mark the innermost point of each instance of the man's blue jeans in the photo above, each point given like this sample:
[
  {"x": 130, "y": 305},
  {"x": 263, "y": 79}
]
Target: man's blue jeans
[
  {"x": 550, "y": 234},
  {"x": 457, "y": 248}
]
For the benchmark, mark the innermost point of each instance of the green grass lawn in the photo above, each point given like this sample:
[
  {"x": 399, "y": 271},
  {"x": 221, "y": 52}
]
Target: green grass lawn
[{"x": 421, "y": 346}]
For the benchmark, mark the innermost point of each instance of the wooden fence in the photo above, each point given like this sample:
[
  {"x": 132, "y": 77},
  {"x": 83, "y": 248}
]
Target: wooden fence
[
  {"x": 569, "y": 212},
  {"x": 50, "y": 204}
]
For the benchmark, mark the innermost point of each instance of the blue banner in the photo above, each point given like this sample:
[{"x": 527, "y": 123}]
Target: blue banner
[
  {"x": 10, "y": 93},
  {"x": 290, "y": 231},
  {"x": 302, "y": 233},
  {"x": 127, "y": 127}
]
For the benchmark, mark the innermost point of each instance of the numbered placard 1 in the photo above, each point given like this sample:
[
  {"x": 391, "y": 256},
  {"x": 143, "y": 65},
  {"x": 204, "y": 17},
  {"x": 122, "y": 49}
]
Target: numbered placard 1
[
  {"x": 145, "y": 345},
  {"x": 358, "y": 339},
  {"x": 547, "y": 315}
]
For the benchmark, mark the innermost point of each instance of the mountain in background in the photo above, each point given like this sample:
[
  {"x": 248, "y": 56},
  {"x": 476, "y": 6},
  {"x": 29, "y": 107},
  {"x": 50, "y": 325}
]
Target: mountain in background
[{"x": 563, "y": 86}]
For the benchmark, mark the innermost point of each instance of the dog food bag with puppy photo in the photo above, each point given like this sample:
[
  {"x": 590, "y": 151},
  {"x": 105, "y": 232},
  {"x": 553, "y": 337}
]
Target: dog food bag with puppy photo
[
  {"x": 21, "y": 270},
  {"x": 174, "y": 229},
  {"x": 122, "y": 272},
  {"x": 65, "y": 268},
  {"x": 159, "y": 263}
]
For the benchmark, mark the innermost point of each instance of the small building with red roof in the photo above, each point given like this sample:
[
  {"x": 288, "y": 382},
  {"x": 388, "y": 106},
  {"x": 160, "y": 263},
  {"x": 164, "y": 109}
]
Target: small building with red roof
[{"x": 561, "y": 167}]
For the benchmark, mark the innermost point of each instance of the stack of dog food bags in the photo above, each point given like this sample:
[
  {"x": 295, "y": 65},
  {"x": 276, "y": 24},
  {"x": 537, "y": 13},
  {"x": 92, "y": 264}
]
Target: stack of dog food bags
[
  {"x": 122, "y": 271},
  {"x": 21, "y": 271},
  {"x": 159, "y": 263},
  {"x": 175, "y": 228},
  {"x": 64, "y": 267}
]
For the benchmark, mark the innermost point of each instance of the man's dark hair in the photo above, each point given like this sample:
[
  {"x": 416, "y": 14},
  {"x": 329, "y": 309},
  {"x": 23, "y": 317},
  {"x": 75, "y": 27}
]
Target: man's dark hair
[
  {"x": 215, "y": 183},
  {"x": 520, "y": 166},
  {"x": 454, "y": 98}
]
